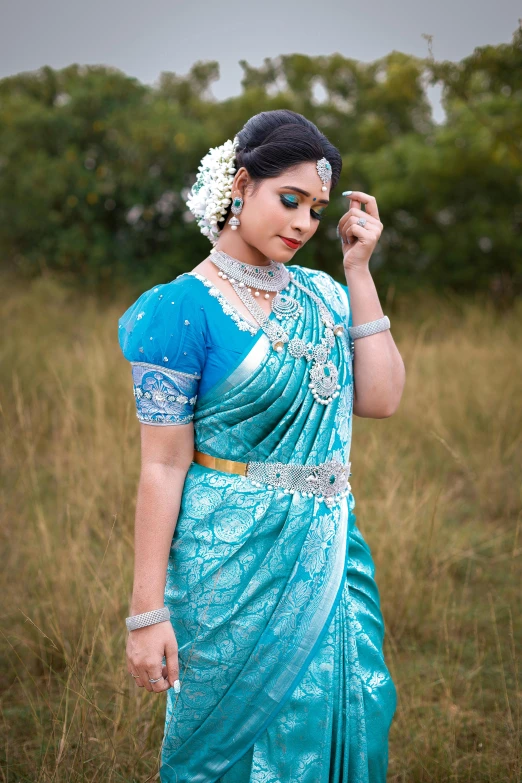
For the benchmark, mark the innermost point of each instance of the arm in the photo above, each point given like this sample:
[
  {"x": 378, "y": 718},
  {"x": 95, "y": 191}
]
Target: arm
[
  {"x": 166, "y": 454},
  {"x": 379, "y": 372},
  {"x": 162, "y": 335}
]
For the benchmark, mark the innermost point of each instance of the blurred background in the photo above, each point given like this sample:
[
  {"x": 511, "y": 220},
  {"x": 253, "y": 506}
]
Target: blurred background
[{"x": 105, "y": 113}]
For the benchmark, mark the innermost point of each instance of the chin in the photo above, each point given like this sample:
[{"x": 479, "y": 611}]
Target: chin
[{"x": 283, "y": 253}]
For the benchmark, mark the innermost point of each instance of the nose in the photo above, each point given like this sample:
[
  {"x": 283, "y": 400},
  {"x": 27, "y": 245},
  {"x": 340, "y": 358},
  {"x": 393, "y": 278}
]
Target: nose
[{"x": 301, "y": 220}]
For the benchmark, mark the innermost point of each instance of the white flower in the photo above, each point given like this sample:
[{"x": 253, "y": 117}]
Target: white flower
[{"x": 211, "y": 194}]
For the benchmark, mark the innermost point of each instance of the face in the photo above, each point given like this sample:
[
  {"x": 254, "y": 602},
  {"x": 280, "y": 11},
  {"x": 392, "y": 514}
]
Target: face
[{"x": 289, "y": 206}]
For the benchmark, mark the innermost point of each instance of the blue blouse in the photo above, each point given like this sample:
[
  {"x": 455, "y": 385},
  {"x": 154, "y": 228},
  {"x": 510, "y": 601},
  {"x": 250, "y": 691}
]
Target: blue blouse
[{"x": 181, "y": 339}]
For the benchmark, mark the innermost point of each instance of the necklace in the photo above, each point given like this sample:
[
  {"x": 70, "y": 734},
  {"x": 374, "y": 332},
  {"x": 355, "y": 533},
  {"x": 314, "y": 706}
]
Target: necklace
[{"x": 276, "y": 277}]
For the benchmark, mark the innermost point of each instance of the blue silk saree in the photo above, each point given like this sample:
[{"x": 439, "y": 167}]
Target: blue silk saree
[{"x": 272, "y": 595}]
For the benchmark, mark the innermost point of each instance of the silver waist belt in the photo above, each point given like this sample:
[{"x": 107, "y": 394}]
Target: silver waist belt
[{"x": 328, "y": 480}]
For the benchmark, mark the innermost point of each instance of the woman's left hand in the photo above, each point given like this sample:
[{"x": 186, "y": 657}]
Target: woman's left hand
[{"x": 358, "y": 242}]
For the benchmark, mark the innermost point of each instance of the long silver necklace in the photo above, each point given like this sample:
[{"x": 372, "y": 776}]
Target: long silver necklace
[{"x": 276, "y": 277}]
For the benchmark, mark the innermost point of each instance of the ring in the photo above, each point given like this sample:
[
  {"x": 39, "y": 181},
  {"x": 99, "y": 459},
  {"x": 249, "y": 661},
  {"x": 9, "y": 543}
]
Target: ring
[
  {"x": 158, "y": 679},
  {"x": 361, "y": 221},
  {"x": 136, "y": 676}
]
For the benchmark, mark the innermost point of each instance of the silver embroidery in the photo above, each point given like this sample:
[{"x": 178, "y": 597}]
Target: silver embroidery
[
  {"x": 166, "y": 370},
  {"x": 163, "y": 395},
  {"x": 241, "y": 322}
]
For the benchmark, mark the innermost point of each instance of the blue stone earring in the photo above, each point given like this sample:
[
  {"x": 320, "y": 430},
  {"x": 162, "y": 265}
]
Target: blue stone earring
[{"x": 237, "y": 206}]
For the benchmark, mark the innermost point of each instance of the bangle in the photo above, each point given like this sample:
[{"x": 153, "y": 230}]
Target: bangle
[
  {"x": 371, "y": 327},
  {"x": 147, "y": 618}
]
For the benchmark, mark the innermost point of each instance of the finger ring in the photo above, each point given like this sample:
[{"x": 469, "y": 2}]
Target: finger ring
[
  {"x": 156, "y": 680},
  {"x": 361, "y": 221},
  {"x": 136, "y": 676}
]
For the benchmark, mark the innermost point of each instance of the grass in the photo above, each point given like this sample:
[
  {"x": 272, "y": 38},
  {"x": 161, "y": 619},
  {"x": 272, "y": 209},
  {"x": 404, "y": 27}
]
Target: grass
[{"x": 438, "y": 499}]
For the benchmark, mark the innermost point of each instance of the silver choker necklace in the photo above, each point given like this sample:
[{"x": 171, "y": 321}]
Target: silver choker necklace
[{"x": 276, "y": 277}]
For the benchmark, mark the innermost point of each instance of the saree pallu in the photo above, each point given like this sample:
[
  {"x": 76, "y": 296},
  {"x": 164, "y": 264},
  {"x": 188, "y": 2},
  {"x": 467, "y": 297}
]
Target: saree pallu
[{"x": 272, "y": 595}]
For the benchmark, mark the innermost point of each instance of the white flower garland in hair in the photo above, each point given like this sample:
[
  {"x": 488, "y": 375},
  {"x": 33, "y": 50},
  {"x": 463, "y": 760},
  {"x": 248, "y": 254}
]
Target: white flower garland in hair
[{"x": 211, "y": 194}]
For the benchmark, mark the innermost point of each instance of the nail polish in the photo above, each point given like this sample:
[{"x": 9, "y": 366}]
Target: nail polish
[{"x": 346, "y": 192}]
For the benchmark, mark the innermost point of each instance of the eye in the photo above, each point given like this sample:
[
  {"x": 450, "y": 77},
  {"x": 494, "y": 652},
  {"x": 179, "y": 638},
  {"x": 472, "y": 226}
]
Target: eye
[
  {"x": 288, "y": 202},
  {"x": 291, "y": 201}
]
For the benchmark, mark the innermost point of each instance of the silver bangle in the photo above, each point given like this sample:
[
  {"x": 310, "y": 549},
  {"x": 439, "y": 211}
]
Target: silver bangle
[
  {"x": 147, "y": 618},
  {"x": 371, "y": 327}
]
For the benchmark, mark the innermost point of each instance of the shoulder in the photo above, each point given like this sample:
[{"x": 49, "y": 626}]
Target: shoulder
[
  {"x": 161, "y": 320},
  {"x": 318, "y": 275},
  {"x": 159, "y": 298},
  {"x": 335, "y": 293}
]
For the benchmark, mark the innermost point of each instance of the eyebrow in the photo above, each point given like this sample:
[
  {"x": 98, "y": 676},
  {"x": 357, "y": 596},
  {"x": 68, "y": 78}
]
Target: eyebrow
[{"x": 292, "y": 187}]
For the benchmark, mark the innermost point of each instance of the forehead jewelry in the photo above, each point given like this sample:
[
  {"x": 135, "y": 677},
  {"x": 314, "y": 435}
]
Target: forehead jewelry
[{"x": 324, "y": 170}]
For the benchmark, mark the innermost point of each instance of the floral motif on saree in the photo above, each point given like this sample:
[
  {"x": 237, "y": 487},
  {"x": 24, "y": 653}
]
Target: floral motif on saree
[{"x": 263, "y": 586}]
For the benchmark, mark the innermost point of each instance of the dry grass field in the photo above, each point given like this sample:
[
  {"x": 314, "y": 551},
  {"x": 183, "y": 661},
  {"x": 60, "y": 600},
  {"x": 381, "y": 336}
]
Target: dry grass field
[{"x": 438, "y": 499}]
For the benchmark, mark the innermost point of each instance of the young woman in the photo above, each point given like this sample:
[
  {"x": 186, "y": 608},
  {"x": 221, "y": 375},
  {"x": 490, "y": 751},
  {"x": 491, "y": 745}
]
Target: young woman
[{"x": 254, "y": 593}]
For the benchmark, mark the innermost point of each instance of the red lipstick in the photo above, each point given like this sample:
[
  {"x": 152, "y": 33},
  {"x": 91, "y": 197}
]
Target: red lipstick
[{"x": 294, "y": 244}]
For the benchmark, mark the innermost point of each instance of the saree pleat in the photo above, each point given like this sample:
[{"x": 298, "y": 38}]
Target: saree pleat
[
  {"x": 335, "y": 725},
  {"x": 272, "y": 595}
]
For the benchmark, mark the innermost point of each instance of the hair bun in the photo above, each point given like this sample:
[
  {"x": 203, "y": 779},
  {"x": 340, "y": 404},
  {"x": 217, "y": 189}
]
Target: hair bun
[{"x": 281, "y": 139}]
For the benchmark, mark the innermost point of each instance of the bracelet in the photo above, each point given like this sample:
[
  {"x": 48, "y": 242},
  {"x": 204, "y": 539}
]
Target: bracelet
[
  {"x": 147, "y": 618},
  {"x": 371, "y": 327}
]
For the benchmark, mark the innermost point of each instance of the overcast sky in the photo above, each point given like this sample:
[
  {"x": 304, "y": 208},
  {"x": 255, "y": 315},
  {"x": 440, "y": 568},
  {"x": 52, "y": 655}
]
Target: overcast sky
[{"x": 147, "y": 37}]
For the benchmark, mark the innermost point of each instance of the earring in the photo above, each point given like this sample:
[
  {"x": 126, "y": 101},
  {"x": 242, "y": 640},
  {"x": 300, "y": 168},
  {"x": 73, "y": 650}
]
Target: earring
[{"x": 237, "y": 206}]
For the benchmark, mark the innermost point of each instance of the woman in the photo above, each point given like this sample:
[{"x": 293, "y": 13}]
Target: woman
[{"x": 244, "y": 373}]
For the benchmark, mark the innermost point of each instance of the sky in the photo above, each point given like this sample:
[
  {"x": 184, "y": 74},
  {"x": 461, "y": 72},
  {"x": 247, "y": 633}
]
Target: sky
[{"x": 145, "y": 38}]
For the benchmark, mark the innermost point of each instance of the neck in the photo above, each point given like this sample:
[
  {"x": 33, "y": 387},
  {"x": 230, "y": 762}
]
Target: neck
[{"x": 232, "y": 243}]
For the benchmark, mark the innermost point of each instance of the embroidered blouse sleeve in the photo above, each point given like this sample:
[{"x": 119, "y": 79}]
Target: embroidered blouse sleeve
[{"x": 162, "y": 335}]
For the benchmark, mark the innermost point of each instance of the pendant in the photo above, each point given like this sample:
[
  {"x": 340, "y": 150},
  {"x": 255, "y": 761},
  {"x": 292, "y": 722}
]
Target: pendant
[
  {"x": 284, "y": 305},
  {"x": 324, "y": 374},
  {"x": 323, "y": 383}
]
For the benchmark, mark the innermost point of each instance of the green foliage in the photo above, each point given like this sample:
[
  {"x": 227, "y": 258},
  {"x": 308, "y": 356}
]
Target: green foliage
[{"x": 96, "y": 167}]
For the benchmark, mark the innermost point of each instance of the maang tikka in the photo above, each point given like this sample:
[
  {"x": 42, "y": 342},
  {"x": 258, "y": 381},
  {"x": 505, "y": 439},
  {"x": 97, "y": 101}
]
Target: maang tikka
[
  {"x": 243, "y": 277},
  {"x": 324, "y": 169}
]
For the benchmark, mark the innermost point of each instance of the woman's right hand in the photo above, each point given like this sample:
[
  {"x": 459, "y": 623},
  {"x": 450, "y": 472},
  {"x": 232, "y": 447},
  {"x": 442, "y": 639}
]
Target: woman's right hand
[{"x": 145, "y": 650}]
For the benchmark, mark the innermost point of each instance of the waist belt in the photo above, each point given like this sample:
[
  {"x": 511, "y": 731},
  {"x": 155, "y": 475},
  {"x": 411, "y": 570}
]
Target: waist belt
[{"x": 328, "y": 480}]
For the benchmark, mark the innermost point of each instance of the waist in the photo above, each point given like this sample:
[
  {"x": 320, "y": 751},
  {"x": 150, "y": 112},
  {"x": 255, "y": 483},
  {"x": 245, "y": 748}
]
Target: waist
[{"x": 327, "y": 481}]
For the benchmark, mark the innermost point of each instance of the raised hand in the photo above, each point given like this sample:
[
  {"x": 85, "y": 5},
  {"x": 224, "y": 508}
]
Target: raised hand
[{"x": 358, "y": 242}]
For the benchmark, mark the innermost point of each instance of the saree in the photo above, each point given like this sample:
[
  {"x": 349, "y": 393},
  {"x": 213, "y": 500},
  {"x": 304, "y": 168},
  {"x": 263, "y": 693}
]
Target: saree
[{"x": 271, "y": 594}]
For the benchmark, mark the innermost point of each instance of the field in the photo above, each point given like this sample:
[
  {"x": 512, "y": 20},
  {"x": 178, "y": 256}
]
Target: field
[{"x": 438, "y": 499}]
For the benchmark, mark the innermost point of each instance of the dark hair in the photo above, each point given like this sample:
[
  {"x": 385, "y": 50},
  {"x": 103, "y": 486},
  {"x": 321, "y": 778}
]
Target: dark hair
[{"x": 271, "y": 142}]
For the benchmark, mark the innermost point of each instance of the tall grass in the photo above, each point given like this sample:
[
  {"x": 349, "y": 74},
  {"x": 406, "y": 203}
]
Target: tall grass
[{"x": 438, "y": 499}]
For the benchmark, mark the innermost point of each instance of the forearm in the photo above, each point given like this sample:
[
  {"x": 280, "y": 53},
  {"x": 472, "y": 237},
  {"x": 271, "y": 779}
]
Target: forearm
[
  {"x": 379, "y": 373},
  {"x": 157, "y": 509}
]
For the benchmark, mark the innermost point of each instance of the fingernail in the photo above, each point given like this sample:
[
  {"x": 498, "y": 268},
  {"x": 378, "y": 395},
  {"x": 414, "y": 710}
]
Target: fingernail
[
  {"x": 346, "y": 192},
  {"x": 177, "y": 686}
]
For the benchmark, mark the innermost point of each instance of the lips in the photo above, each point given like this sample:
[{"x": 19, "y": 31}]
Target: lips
[{"x": 293, "y": 243}]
